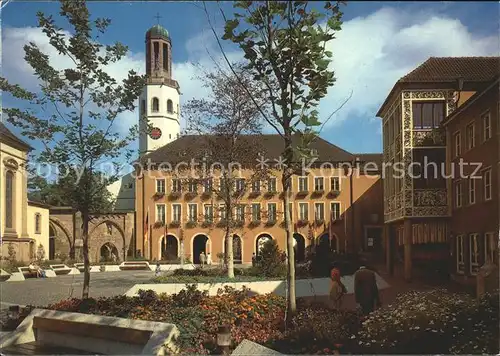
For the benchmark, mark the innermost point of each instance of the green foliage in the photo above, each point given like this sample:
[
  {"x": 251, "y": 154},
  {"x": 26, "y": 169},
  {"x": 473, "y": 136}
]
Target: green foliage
[
  {"x": 272, "y": 261},
  {"x": 11, "y": 253},
  {"x": 40, "y": 253}
]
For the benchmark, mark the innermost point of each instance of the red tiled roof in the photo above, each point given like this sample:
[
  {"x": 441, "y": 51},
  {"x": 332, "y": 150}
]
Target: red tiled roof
[
  {"x": 444, "y": 69},
  {"x": 449, "y": 70},
  {"x": 7, "y": 136}
]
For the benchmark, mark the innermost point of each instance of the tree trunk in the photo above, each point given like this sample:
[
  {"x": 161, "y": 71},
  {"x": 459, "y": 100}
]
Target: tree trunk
[
  {"x": 86, "y": 262},
  {"x": 287, "y": 174},
  {"x": 182, "y": 251},
  {"x": 229, "y": 250}
]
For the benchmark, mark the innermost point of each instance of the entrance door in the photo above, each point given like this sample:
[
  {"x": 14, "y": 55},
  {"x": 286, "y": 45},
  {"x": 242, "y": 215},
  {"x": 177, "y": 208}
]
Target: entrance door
[{"x": 373, "y": 240}]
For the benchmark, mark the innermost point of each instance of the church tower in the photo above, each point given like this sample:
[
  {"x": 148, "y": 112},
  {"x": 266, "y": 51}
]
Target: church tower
[{"x": 159, "y": 101}]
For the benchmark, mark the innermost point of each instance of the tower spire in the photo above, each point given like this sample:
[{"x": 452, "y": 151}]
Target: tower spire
[{"x": 157, "y": 17}]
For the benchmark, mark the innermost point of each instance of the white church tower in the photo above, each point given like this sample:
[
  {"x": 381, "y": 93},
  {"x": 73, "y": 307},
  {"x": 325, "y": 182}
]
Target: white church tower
[{"x": 159, "y": 101}]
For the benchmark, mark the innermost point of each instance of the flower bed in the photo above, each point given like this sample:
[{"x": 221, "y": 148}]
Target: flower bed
[{"x": 418, "y": 323}]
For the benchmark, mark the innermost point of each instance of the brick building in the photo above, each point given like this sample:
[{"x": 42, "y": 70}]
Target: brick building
[{"x": 473, "y": 138}]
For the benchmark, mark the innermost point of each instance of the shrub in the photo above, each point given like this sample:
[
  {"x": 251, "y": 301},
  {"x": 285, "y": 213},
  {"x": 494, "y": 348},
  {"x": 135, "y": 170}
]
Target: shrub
[{"x": 272, "y": 260}]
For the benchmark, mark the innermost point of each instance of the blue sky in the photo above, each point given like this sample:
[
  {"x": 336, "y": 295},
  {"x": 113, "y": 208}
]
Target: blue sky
[{"x": 380, "y": 42}]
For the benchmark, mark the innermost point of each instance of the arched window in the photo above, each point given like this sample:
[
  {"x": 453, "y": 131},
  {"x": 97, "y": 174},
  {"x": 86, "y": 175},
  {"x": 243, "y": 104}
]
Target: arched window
[
  {"x": 170, "y": 106},
  {"x": 38, "y": 223},
  {"x": 156, "y": 105},
  {"x": 9, "y": 199}
]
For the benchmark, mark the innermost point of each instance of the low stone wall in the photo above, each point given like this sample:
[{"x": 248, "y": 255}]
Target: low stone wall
[{"x": 303, "y": 287}]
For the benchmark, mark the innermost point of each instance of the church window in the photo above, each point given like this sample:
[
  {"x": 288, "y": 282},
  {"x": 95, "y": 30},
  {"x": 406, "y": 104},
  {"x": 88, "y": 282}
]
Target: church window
[
  {"x": 9, "y": 201},
  {"x": 170, "y": 106},
  {"x": 156, "y": 49},
  {"x": 38, "y": 223},
  {"x": 156, "y": 105},
  {"x": 165, "y": 57}
]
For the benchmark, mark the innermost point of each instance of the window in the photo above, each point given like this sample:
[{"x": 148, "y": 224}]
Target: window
[
  {"x": 486, "y": 119},
  {"x": 427, "y": 115},
  {"x": 9, "y": 199},
  {"x": 240, "y": 184},
  {"x": 487, "y": 184},
  {"x": 271, "y": 185},
  {"x": 170, "y": 106},
  {"x": 207, "y": 185},
  {"x": 160, "y": 185},
  {"x": 222, "y": 212},
  {"x": 290, "y": 210},
  {"x": 156, "y": 105},
  {"x": 460, "y": 254},
  {"x": 271, "y": 212},
  {"x": 165, "y": 57},
  {"x": 192, "y": 186},
  {"x": 240, "y": 213},
  {"x": 209, "y": 213},
  {"x": 256, "y": 186},
  {"x": 335, "y": 183},
  {"x": 474, "y": 253},
  {"x": 458, "y": 194},
  {"x": 458, "y": 148},
  {"x": 38, "y": 223},
  {"x": 256, "y": 212},
  {"x": 156, "y": 49},
  {"x": 319, "y": 184},
  {"x": 160, "y": 213},
  {"x": 489, "y": 246},
  {"x": 176, "y": 185},
  {"x": 303, "y": 186},
  {"x": 143, "y": 107},
  {"x": 176, "y": 212},
  {"x": 304, "y": 211},
  {"x": 193, "y": 212},
  {"x": 319, "y": 211},
  {"x": 335, "y": 210},
  {"x": 472, "y": 190},
  {"x": 469, "y": 130}
]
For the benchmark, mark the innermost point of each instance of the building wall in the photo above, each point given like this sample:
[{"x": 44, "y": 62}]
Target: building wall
[
  {"x": 483, "y": 216},
  {"x": 151, "y": 247},
  {"x": 20, "y": 199},
  {"x": 167, "y": 122},
  {"x": 40, "y": 237}
]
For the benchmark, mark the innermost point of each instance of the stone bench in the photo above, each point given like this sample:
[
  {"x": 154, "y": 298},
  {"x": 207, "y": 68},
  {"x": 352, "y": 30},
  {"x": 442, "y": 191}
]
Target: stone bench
[
  {"x": 135, "y": 266},
  {"x": 78, "y": 333},
  {"x": 60, "y": 269},
  {"x": 80, "y": 267},
  {"x": 27, "y": 273},
  {"x": 4, "y": 275}
]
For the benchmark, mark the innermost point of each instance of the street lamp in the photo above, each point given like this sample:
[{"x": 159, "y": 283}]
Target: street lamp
[{"x": 224, "y": 338}]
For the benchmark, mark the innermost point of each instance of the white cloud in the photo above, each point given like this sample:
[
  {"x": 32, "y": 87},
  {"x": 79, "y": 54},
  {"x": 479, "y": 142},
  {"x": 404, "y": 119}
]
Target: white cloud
[{"x": 370, "y": 54}]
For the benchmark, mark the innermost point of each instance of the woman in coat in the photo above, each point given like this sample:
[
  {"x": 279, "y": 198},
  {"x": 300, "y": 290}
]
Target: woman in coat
[{"x": 337, "y": 289}]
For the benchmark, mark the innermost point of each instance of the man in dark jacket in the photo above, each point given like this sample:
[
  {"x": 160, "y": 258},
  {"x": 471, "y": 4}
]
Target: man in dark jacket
[{"x": 366, "y": 290}]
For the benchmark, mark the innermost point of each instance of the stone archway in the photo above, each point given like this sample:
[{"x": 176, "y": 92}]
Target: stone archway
[
  {"x": 62, "y": 241},
  {"x": 108, "y": 253},
  {"x": 327, "y": 243},
  {"x": 169, "y": 248},
  {"x": 260, "y": 241},
  {"x": 299, "y": 246},
  {"x": 106, "y": 231},
  {"x": 199, "y": 245}
]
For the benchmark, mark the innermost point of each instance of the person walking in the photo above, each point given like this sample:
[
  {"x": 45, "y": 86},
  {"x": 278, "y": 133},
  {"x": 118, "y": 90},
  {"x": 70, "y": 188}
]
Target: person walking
[
  {"x": 202, "y": 258},
  {"x": 337, "y": 289},
  {"x": 366, "y": 290}
]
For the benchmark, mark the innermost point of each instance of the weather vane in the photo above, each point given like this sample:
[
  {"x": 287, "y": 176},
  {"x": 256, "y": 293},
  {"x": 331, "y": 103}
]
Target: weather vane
[{"x": 157, "y": 17}]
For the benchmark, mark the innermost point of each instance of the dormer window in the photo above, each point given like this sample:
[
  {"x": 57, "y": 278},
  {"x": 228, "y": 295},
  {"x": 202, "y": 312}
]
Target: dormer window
[{"x": 156, "y": 105}]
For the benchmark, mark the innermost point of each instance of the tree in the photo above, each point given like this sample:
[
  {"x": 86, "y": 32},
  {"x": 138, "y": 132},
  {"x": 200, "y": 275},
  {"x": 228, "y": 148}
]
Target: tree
[
  {"x": 284, "y": 43},
  {"x": 227, "y": 122},
  {"x": 75, "y": 110}
]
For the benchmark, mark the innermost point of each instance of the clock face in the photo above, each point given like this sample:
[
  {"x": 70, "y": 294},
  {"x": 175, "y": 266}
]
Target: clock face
[{"x": 155, "y": 133}]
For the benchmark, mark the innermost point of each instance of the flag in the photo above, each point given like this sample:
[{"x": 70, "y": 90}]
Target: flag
[{"x": 146, "y": 233}]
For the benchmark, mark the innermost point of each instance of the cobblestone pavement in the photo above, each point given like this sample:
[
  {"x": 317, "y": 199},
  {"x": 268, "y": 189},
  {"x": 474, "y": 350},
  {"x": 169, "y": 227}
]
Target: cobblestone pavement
[{"x": 43, "y": 291}]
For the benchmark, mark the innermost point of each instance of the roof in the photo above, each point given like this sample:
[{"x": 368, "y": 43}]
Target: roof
[
  {"x": 449, "y": 70},
  {"x": 157, "y": 31},
  {"x": 9, "y": 138},
  {"x": 39, "y": 204},
  {"x": 270, "y": 146},
  {"x": 492, "y": 85}
]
